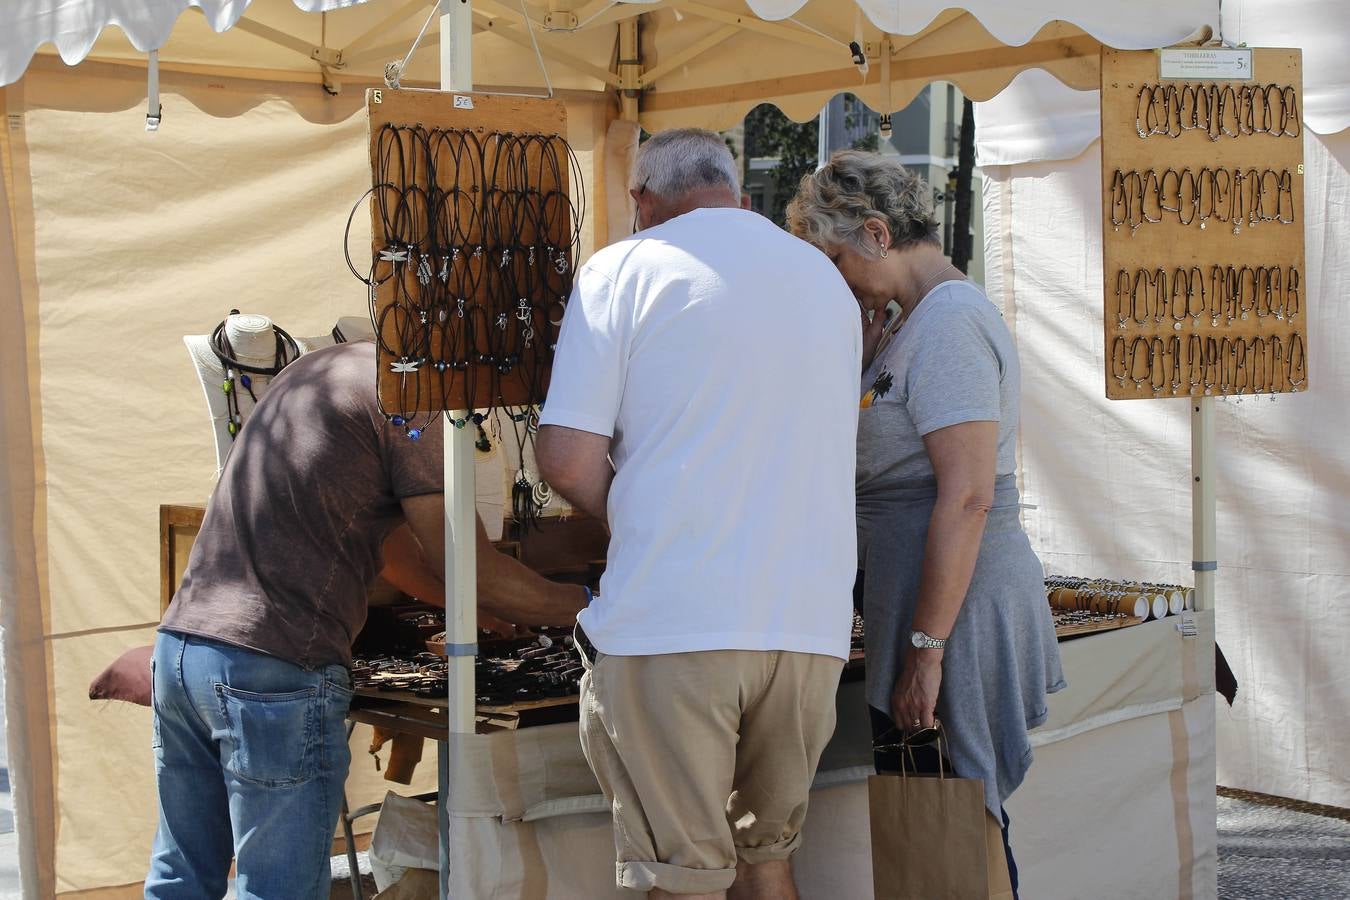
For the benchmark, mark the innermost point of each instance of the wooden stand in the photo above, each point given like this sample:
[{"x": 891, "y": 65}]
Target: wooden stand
[
  {"x": 403, "y": 159},
  {"x": 1169, "y": 245},
  {"x": 178, "y": 527}
]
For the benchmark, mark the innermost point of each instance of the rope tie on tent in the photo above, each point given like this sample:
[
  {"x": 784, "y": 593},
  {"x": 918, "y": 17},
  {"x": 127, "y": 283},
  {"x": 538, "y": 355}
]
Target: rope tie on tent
[
  {"x": 394, "y": 71},
  {"x": 538, "y": 54}
]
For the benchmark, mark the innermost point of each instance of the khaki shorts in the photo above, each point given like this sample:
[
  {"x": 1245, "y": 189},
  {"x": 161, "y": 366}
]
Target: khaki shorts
[{"x": 705, "y": 758}]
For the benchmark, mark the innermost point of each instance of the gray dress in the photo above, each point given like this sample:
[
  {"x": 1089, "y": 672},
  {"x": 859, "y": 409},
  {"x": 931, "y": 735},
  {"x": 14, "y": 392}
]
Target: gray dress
[{"x": 953, "y": 362}]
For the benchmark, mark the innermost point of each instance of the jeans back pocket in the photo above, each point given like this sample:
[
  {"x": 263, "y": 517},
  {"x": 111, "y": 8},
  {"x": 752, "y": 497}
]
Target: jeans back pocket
[{"x": 271, "y": 739}]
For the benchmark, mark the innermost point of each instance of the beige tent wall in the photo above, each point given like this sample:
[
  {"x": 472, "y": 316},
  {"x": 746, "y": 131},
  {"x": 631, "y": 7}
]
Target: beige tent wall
[
  {"x": 134, "y": 240},
  {"x": 1108, "y": 484},
  {"x": 22, "y": 513}
]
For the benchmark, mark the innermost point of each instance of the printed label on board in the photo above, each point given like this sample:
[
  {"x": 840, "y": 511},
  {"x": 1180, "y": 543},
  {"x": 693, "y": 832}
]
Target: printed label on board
[
  {"x": 463, "y": 102},
  {"x": 1218, "y": 63}
]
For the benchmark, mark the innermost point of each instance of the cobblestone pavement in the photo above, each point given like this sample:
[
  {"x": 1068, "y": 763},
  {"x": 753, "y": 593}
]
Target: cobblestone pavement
[{"x": 1271, "y": 853}]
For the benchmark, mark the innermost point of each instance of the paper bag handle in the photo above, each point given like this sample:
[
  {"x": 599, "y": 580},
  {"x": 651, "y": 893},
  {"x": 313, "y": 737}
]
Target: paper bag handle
[{"x": 907, "y": 746}]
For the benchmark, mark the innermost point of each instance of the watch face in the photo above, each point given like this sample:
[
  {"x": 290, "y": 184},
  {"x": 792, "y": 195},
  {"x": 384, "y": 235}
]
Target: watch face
[{"x": 916, "y": 638}]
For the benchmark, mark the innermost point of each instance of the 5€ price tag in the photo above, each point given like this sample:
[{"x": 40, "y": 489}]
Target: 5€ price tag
[{"x": 463, "y": 102}]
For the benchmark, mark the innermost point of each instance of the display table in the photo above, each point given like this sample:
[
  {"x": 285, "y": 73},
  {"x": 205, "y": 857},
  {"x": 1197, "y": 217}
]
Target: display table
[{"x": 1119, "y": 804}]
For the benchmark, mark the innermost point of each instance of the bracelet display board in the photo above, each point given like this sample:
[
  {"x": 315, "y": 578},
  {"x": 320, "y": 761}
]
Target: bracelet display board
[
  {"x": 474, "y": 242},
  {"x": 1202, "y": 210}
]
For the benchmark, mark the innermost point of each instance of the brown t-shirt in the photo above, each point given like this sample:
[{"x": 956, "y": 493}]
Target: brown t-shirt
[{"x": 293, "y": 534}]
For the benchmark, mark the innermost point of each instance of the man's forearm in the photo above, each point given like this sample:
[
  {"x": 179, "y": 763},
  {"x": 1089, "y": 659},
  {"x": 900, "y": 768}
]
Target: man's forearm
[
  {"x": 506, "y": 587},
  {"x": 512, "y": 591},
  {"x": 406, "y": 568}
]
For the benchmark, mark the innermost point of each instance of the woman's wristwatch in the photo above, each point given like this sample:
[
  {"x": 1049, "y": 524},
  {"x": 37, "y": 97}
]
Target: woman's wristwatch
[{"x": 923, "y": 641}]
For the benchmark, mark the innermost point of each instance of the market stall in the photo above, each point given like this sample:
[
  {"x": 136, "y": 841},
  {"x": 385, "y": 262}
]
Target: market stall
[
  {"x": 1101, "y": 503},
  {"x": 271, "y": 236},
  {"x": 1126, "y": 742}
]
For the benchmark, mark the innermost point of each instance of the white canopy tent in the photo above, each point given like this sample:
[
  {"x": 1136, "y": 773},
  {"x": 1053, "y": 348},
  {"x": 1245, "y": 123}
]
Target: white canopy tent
[
  {"x": 1111, "y": 500},
  {"x": 88, "y": 194},
  {"x": 706, "y": 62}
]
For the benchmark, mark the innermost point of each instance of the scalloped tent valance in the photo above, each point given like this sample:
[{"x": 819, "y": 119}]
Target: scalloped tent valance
[
  {"x": 1037, "y": 118},
  {"x": 700, "y": 62}
]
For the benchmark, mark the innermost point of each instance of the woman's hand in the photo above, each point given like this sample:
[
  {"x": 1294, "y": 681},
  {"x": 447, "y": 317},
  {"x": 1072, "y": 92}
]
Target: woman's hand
[
  {"x": 872, "y": 330},
  {"x": 914, "y": 700}
]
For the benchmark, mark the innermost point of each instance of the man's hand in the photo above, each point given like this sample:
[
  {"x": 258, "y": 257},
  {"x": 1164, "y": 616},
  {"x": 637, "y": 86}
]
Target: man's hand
[{"x": 498, "y": 626}]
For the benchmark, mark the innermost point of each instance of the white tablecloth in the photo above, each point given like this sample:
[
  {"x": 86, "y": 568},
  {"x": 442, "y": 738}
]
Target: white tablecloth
[{"x": 1120, "y": 802}]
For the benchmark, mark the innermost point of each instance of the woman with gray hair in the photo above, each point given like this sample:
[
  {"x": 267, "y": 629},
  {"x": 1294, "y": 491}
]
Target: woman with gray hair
[{"x": 958, "y": 628}]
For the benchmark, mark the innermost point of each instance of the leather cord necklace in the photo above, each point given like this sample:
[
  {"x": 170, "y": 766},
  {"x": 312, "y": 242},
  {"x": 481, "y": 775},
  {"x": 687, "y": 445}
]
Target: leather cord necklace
[
  {"x": 480, "y": 240},
  {"x": 239, "y": 374}
]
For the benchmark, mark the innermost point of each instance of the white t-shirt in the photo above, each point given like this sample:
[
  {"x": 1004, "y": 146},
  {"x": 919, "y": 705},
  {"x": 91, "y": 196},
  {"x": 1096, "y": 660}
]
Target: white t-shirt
[{"x": 721, "y": 354}]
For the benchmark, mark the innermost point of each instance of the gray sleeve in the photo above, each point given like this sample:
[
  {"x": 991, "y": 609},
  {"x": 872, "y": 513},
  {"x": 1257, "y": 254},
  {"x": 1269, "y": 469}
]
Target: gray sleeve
[{"x": 954, "y": 374}]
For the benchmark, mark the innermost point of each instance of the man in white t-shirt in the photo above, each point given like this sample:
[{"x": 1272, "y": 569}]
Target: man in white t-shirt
[{"x": 714, "y": 359}]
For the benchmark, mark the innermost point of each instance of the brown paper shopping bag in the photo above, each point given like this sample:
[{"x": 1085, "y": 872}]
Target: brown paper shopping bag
[
  {"x": 928, "y": 840},
  {"x": 932, "y": 839},
  {"x": 1000, "y": 882}
]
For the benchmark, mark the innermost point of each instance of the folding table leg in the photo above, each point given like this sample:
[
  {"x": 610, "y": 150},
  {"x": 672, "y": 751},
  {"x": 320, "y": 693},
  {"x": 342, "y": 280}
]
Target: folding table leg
[
  {"x": 443, "y": 812},
  {"x": 352, "y": 863}
]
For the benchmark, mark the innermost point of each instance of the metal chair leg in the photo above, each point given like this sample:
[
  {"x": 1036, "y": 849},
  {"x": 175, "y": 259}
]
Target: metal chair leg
[{"x": 352, "y": 863}]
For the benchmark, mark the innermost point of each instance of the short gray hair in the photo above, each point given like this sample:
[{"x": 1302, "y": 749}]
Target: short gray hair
[
  {"x": 675, "y": 162},
  {"x": 833, "y": 204}
]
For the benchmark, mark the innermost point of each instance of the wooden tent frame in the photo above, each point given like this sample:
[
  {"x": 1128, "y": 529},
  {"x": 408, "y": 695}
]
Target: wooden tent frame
[{"x": 919, "y": 57}]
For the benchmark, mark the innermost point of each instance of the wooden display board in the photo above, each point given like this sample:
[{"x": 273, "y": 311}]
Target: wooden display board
[
  {"x": 1203, "y": 266},
  {"x": 178, "y": 529},
  {"x": 473, "y": 246}
]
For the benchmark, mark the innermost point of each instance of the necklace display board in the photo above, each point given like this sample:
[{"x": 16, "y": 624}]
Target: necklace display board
[
  {"x": 474, "y": 245},
  {"x": 1202, "y": 208}
]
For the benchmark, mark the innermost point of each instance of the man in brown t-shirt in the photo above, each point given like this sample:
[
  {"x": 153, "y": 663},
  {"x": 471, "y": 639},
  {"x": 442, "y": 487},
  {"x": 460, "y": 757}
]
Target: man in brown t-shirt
[{"x": 250, "y": 680}]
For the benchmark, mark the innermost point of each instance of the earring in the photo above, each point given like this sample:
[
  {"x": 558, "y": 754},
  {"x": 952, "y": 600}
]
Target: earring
[{"x": 883, "y": 251}]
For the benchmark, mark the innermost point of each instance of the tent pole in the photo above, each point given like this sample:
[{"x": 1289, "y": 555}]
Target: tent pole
[
  {"x": 1204, "y": 554},
  {"x": 823, "y": 135},
  {"x": 456, "y": 45},
  {"x": 461, "y": 539},
  {"x": 630, "y": 69}
]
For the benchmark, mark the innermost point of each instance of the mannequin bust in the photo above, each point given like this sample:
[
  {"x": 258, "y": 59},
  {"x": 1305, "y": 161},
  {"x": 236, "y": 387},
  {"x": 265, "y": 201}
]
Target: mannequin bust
[
  {"x": 235, "y": 364},
  {"x": 348, "y": 329},
  {"x": 259, "y": 348}
]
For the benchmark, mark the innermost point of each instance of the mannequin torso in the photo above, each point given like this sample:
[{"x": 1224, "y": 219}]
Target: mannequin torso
[{"x": 235, "y": 365}]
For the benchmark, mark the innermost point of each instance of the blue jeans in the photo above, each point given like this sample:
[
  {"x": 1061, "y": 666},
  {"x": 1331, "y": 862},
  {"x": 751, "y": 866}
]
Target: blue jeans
[{"x": 250, "y": 759}]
